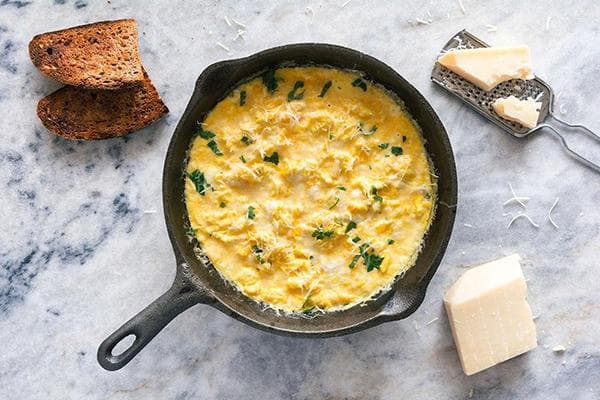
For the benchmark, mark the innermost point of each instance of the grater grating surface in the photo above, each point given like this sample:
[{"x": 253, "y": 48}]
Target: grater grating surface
[{"x": 481, "y": 100}]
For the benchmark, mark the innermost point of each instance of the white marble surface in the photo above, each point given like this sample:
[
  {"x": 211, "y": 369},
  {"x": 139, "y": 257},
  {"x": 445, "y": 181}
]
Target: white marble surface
[{"x": 83, "y": 245}]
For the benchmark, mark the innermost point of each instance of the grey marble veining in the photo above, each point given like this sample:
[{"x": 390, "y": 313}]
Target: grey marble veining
[{"x": 83, "y": 244}]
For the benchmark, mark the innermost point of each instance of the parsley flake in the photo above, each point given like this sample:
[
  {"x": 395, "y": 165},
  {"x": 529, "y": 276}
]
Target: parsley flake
[
  {"x": 383, "y": 146},
  {"x": 360, "y": 83},
  {"x": 214, "y": 147},
  {"x": 326, "y": 87},
  {"x": 351, "y": 225},
  {"x": 199, "y": 181},
  {"x": 320, "y": 234},
  {"x": 247, "y": 140},
  {"x": 337, "y": 200},
  {"x": 270, "y": 81},
  {"x": 292, "y": 95},
  {"x": 251, "y": 213},
  {"x": 341, "y": 188},
  {"x": 204, "y": 134},
  {"x": 273, "y": 158},
  {"x": 375, "y": 195},
  {"x": 397, "y": 150},
  {"x": 242, "y": 97}
]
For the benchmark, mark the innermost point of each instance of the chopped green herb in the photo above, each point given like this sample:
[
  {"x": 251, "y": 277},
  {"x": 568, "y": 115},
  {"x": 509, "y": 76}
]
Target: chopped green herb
[
  {"x": 354, "y": 261},
  {"x": 375, "y": 195},
  {"x": 372, "y": 261},
  {"x": 397, "y": 150},
  {"x": 222, "y": 205},
  {"x": 273, "y": 158},
  {"x": 320, "y": 234},
  {"x": 258, "y": 251},
  {"x": 391, "y": 241},
  {"x": 355, "y": 239},
  {"x": 251, "y": 213},
  {"x": 351, "y": 225},
  {"x": 243, "y": 159},
  {"x": 204, "y": 134},
  {"x": 247, "y": 140},
  {"x": 326, "y": 87},
  {"x": 199, "y": 181},
  {"x": 337, "y": 200},
  {"x": 191, "y": 231},
  {"x": 362, "y": 129},
  {"x": 270, "y": 80},
  {"x": 292, "y": 95},
  {"x": 403, "y": 139},
  {"x": 214, "y": 147},
  {"x": 384, "y": 146},
  {"x": 360, "y": 83},
  {"x": 341, "y": 188},
  {"x": 242, "y": 97}
]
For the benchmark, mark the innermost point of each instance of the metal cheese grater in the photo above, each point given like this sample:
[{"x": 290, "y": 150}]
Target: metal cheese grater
[{"x": 481, "y": 101}]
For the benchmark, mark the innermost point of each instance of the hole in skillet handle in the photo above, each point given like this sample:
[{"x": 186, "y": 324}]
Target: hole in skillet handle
[{"x": 150, "y": 321}]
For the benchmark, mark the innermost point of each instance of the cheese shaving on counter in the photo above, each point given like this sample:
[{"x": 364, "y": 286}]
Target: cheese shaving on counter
[
  {"x": 550, "y": 213},
  {"x": 516, "y": 217}
]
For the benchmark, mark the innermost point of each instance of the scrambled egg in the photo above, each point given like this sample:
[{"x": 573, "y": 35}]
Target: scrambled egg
[{"x": 309, "y": 188}]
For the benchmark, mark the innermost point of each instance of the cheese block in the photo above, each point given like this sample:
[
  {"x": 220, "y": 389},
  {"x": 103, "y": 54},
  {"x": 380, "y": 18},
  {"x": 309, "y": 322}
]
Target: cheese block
[
  {"x": 524, "y": 112},
  {"x": 487, "y": 67},
  {"x": 489, "y": 315}
]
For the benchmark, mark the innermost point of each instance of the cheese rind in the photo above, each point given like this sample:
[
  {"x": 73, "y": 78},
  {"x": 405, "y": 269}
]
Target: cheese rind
[
  {"x": 524, "y": 112},
  {"x": 489, "y": 66},
  {"x": 490, "y": 318}
]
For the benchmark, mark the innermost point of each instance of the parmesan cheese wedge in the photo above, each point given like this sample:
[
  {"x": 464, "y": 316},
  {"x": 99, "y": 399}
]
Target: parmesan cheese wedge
[
  {"x": 524, "y": 112},
  {"x": 489, "y": 315},
  {"x": 489, "y": 66}
]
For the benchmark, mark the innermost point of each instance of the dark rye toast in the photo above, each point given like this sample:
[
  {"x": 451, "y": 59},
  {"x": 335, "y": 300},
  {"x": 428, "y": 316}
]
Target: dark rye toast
[
  {"x": 102, "y": 55},
  {"x": 83, "y": 114}
]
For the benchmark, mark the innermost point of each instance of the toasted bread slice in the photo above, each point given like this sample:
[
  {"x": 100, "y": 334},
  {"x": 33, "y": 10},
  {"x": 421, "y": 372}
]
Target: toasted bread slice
[
  {"x": 102, "y": 55},
  {"x": 84, "y": 114}
]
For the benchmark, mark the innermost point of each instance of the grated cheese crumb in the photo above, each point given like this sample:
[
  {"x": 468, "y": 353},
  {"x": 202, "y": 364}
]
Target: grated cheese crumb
[
  {"x": 432, "y": 321},
  {"x": 238, "y": 23},
  {"x": 548, "y": 23},
  {"x": 491, "y": 28},
  {"x": 515, "y": 197},
  {"x": 422, "y": 21},
  {"x": 149, "y": 211},
  {"x": 309, "y": 10},
  {"x": 462, "y": 7},
  {"x": 562, "y": 109},
  {"x": 468, "y": 225},
  {"x": 516, "y": 217},
  {"x": 227, "y": 20},
  {"x": 550, "y": 214},
  {"x": 346, "y": 3},
  {"x": 240, "y": 34},
  {"x": 221, "y": 45},
  {"x": 559, "y": 349}
]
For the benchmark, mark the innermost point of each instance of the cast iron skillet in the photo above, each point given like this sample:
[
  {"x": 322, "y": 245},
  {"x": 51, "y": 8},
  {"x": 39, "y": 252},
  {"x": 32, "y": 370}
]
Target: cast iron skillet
[{"x": 197, "y": 281}]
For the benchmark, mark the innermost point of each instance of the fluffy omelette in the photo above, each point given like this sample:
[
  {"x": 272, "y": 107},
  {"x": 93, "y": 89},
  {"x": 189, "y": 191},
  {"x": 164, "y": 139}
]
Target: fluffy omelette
[{"x": 309, "y": 188}]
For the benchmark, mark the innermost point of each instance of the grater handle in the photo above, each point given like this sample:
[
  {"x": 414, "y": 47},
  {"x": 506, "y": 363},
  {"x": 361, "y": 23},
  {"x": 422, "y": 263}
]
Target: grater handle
[{"x": 564, "y": 143}]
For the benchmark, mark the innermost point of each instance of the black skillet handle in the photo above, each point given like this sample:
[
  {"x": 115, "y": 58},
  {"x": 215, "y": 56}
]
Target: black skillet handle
[
  {"x": 402, "y": 303},
  {"x": 150, "y": 321}
]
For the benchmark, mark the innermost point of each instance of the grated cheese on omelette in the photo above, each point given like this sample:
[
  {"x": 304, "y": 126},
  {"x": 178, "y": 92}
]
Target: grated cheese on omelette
[{"x": 309, "y": 167}]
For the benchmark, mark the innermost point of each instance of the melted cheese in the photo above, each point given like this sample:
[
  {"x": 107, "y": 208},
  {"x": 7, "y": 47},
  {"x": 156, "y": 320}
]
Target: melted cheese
[{"x": 350, "y": 155}]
